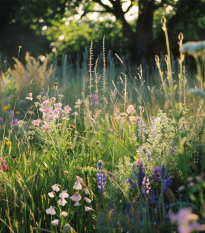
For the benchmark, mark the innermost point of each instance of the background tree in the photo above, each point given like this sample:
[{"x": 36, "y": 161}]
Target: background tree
[{"x": 140, "y": 38}]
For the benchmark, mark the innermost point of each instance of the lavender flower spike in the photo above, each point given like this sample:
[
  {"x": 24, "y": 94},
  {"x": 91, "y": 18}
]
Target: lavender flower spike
[
  {"x": 101, "y": 178},
  {"x": 162, "y": 171},
  {"x": 140, "y": 176}
]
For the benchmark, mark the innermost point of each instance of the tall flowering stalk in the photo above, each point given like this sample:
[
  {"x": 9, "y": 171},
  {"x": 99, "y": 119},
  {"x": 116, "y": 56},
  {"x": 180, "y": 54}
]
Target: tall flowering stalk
[{"x": 101, "y": 178}]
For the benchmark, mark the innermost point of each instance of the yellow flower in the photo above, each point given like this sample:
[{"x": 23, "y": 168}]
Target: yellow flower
[
  {"x": 6, "y": 108},
  {"x": 8, "y": 143},
  {"x": 17, "y": 112}
]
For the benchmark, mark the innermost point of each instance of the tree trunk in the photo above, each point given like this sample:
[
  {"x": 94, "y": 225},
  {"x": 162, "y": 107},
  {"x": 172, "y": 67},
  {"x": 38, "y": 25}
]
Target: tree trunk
[{"x": 144, "y": 29}]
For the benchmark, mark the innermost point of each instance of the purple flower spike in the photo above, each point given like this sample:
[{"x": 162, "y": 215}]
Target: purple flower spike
[
  {"x": 101, "y": 178},
  {"x": 140, "y": 176},
  {"x": 162, "y": 171},
  {"x": 95, "y": 99}
]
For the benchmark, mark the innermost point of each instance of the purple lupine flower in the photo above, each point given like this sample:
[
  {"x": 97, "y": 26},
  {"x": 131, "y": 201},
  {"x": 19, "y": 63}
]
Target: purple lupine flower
[
  {"x": 127, "y": 210},
  {"x": 162, "y": 171},
  {"x": 132, "y": 183},
  {"x": 156, "y": 173},
  {"x": 167, "y": 183},
  {"x": 101, "y": 178},
  {"x": 146, "y": 183},
  {"x": 95, "y": 99},
  {"x": 140, "y": 176},
  {"x": 1, "y": 119}
]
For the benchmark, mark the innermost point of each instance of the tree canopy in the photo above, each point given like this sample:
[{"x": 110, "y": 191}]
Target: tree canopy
[{"x": 68, "y": 26}]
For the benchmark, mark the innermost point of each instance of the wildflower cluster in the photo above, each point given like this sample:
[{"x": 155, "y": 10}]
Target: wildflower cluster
[{"x": 76, "y": 197}]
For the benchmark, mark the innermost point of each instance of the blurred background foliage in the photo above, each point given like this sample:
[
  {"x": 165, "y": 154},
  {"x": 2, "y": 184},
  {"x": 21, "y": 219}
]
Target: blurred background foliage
[{"x": 131, "y": 27}]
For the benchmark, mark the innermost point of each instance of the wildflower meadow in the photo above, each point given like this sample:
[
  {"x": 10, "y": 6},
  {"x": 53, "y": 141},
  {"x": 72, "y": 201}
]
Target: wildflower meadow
[{"x": 105, "y": 147}]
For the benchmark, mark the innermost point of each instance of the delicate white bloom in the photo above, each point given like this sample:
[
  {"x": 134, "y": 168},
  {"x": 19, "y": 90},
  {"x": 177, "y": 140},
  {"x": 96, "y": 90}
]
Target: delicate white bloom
[
  {"x": 63, "y": 213},
  {"x": 87, "y": 208},
  {"x": 66, "y": 172},
  {"x": 86, "y": 191},
  {"x": 51, "y": 211},
  {"x": 77, "y": 203},
  {"x": 80, "y": 180},
  {"x": 51, "y": 194},
  {"x": 55, "y": 222},
  {"x": 62, "y": 202},
  {"x": 77, "y": 186},
  {"x": 88, "y": 200},
  {"x": 63, "y": 194},
  {"x": 55, "y": 187}
]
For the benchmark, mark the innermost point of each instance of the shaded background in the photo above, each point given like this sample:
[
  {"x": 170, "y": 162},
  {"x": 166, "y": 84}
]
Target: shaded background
[{"x": 131, "y": 28}]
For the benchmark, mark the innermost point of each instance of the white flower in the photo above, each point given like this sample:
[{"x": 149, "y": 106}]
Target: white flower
[
  {"x": 63, "y": 213},
  {"x": 62, "y": 202},
  {"x": 86, "y": 191},
  {"x": 55, "y": 222},
  {"x": 77, "y": 186},
  {"x": 88, "y": 200},
  {"x": 77, "y": 203},
  {"x": 87, "y": 208},
  {"x": 55, "y": 187},
  {"x": 63, "y": 194},
  {"x": 51, "y": 194},
  {"x": 51, "y": 211}
]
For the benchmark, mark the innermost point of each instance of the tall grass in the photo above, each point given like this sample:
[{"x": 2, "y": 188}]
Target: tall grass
[{"x": 130, "y": 122}]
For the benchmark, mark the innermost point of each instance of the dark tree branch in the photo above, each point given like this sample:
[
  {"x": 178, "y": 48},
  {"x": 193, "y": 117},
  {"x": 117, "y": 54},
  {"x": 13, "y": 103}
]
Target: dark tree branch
[{"x": 86, "y": 12}]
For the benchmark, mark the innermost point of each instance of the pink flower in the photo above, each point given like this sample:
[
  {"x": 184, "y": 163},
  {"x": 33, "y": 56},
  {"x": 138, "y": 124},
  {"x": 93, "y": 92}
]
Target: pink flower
[
  {"x": 130, "y": 109},
  {"x": 51, "y": 211},
  {"x": 76, "y": 197},
  {"x": 86, "y": 191},
  {"x": 58, "y": 105},
  {"x": 55, "y": 222},
  {"x": 63, "y": 213},
  {"x": 51, "y": 194},
  {"x": 63, "y": 194},
  {"x": 36, "y": 122},
  {"x": 87, "y": 208},
  {"x": 67, "y": 109},
  {"x": 88, "y": 200},
  {"x": 78, "y": 102},
  {"x": 62, "y": 202},
  {"x": 77, "y": 203},
  {"x": 45, "y": 127},
  {"x": 55, "y": 187}
]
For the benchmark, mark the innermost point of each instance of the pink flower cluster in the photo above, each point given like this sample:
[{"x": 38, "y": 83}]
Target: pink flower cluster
[
  {"x": 186, "y": 220},
  {"x": 3, "y": 165}
]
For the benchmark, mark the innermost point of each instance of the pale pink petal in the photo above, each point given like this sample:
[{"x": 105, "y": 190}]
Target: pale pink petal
[
  {"x": 62, "y": 202},
  {"x": 51, "y": 194},
  {"x": 87, "y": 208},
  {"x": 86, "y": 191},
  {"x": 88, "y": 200},
  {"x": 63, "y": 194},
  {"x": 77, "y": 203},
  {"x": 55, "y": 222},
  {"x": 55, "y": 187},
  {"x": 51, "y": 211},
  {"x": 63, "y": 213}
]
